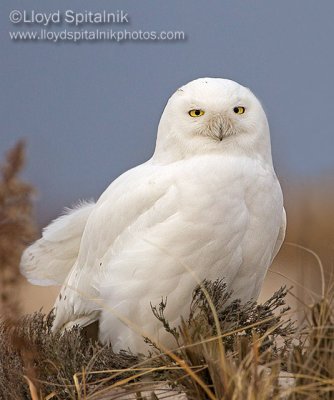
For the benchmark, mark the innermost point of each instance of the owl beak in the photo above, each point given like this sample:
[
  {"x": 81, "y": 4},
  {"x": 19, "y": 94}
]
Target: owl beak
[
  {"x": 218, "y": 129},
  {"x": 221, "y": 133},
  {"x": 225, "y": 129}
]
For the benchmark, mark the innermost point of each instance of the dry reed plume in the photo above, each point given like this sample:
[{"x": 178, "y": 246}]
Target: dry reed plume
[{"x": 17, "y": 227}]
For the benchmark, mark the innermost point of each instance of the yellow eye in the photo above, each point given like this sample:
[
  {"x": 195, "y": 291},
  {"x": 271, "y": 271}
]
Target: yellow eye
[
  {"x": 239, "y": 110},
  {"x": 196, "y": 113}
]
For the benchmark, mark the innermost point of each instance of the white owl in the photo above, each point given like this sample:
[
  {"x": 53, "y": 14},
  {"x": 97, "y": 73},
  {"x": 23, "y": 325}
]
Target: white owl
[{"x": 207, "y": 205}]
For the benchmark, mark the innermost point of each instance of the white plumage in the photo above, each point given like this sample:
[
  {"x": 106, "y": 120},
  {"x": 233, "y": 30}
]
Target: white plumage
[{"x": 207, "y": 205}]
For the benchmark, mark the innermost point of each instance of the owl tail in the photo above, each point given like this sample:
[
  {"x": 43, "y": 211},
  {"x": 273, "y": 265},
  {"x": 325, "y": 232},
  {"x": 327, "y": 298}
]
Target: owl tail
[{"x": 49, "y": 260}]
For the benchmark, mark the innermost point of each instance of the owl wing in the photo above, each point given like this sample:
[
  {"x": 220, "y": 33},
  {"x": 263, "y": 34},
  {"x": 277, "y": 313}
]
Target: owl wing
[
  {"x": 281, "y": 236},
  {"x": 148, "y": 220},
  {"x": 128, "y": 199}
]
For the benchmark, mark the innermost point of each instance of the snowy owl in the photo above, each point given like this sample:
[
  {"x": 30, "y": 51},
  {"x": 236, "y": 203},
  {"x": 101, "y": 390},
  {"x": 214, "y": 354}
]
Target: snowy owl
[{"x": 207, "y": 205}]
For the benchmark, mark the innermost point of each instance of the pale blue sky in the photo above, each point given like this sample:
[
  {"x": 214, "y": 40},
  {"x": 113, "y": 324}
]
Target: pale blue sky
[{"x": 90, "y": 111}]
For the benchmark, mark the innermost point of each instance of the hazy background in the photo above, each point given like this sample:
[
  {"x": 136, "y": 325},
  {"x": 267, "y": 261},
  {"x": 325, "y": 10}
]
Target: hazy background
[{"x": 90, "y": 111}]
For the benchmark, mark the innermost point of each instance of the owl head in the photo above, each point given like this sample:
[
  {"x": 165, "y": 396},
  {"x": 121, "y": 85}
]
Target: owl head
[{"x": 212, "y": 115}]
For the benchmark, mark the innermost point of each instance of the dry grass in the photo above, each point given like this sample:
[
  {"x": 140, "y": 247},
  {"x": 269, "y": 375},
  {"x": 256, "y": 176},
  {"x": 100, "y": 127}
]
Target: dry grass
[
  {"x": 259, "y": 347},
  {"x": 223, "y": 350},
  {"x": 312, "y": 360},
  {"x": 70, "y": 366},
  {"x": 49, "y": 360}
]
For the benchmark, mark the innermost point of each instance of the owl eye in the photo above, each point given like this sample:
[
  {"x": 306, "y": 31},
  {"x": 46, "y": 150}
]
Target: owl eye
[
  {"x": 196, "y": 113},
  {"x": 239, "y": 110}
]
